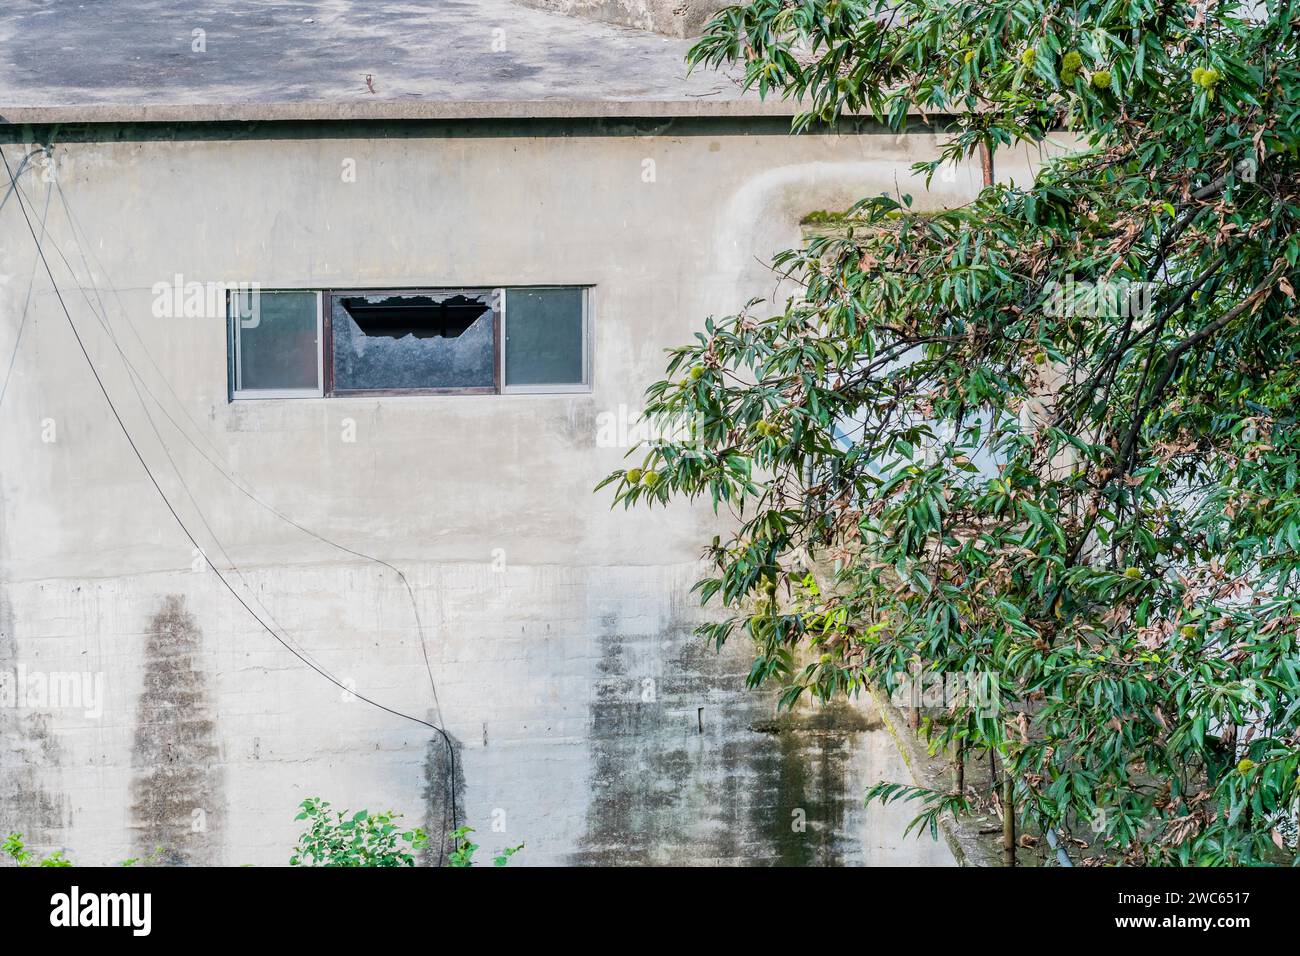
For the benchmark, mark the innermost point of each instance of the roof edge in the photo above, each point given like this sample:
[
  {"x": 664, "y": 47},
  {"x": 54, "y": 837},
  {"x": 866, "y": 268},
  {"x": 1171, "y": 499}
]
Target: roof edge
[{"x": 393, "y": 110}]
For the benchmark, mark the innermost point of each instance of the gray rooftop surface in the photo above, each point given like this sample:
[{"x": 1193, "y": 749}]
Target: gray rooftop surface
[{"x": 132, "y": 61}]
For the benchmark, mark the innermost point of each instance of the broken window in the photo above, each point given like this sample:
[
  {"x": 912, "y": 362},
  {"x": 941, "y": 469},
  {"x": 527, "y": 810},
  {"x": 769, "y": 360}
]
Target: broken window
[
  {"x": 275, "y": 344},
  {"x": 419, "y": 341}
]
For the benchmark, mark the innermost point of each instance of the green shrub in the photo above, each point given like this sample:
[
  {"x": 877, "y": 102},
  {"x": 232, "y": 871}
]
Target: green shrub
[
  {"x": 16, "y": 850},
  {"x": 463, "y": 855},
  {"x": 360, "y": 839}
]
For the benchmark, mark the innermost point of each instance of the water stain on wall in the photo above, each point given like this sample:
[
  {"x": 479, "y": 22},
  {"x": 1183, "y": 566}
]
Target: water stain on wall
[
  {"x": 442, "y": 814},
  {"x": 178, "y": 802},
  {"x": 702, "y": 773},
  {"x": 806, "y": 790},
  {"x": 27, "y": 750}
]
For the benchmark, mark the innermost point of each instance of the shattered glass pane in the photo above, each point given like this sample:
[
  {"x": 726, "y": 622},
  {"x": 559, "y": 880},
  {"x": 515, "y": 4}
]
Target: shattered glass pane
[
  {"x": 544, "y": 331},
  {"x": 417, "y": 341}
]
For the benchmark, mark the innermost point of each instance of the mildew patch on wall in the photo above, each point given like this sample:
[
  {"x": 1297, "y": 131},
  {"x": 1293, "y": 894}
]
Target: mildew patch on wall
[
  {"x": 688, "y": 766},
  {"x": 806, "y": 792},
  {"x": 178, "y": 802},
  {"x": 27, "y": 748},
  {"x": 442, "y": 814}
]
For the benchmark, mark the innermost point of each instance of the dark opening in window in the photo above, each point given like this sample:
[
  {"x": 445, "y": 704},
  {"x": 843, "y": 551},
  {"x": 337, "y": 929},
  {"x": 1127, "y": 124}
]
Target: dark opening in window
[{"x": 423, "y": 316}]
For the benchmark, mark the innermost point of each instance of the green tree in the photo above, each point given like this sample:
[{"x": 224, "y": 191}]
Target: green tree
[{"x": 1048, "y": 439}]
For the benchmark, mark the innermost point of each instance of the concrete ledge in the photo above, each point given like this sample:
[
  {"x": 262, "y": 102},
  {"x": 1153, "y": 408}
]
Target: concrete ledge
[{"x": 393, "y": 110}]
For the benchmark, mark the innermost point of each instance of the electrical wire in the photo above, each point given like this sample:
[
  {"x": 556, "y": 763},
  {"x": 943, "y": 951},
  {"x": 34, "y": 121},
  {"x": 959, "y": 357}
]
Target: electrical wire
[
  {"x": 74, "y": 225},
  {"x": 102, "y": 315},
  {"x": 31, "y": 282},
  {"x": 16, "y": 191},
  {"x": 137, "y": 382}
]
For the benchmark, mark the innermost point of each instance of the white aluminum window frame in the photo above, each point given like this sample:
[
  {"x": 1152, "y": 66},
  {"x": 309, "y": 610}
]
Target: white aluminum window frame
[
  {"x": 563, "y": 389},
  {"x": 237, "y": 393}
]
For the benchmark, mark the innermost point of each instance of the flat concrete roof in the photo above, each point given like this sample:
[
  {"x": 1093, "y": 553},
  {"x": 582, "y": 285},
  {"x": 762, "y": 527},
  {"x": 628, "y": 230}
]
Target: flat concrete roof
[{"x": 139, "y": 61}]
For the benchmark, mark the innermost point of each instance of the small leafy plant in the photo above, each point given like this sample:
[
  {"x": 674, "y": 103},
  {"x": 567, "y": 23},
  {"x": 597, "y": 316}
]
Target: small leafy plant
[
  {"x": 463, "y": 855},
  {"x": 14, "y": 847},
  {"x": 342, "y": 838},
  {"x": 150, "y": 859}
]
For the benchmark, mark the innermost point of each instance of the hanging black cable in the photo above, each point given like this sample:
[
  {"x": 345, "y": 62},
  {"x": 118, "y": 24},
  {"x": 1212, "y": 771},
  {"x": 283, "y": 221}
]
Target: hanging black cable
[
  {"x": 101, "y": 313},
  {"x": 22, "y": 323},
  {"x": 17, "y": 192}
]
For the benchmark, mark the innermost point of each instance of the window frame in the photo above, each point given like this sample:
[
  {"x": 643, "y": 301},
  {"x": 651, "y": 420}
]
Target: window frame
[
  {"x": 499, "y": 297},
  {"x": 236, "y": 352},
  {"x": 565, "y": 389}
]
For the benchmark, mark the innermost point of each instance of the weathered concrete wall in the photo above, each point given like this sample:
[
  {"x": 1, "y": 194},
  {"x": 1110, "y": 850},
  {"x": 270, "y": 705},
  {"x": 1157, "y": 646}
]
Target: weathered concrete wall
[{"x": 588, "y": 721}]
